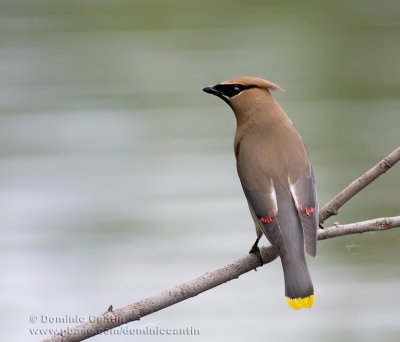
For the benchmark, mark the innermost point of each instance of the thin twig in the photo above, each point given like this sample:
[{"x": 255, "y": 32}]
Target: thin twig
[
  {"x": 333, "y": 206},
  {"x": 359, "y": 227},
  {"x": 112, "y": 319},
  {"x": 133, "y": 312}
]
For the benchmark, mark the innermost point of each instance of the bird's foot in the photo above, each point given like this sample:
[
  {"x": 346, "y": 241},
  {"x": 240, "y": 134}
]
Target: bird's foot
[{"x": 256, "y": 251}]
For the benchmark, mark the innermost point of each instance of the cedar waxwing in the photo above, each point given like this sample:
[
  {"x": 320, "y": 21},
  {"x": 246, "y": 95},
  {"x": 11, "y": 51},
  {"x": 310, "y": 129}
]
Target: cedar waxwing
[{"x": 277, "y": 179}]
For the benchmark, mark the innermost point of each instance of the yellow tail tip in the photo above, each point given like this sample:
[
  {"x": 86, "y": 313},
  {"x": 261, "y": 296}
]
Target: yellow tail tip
[{"x": 299, "y": 303}]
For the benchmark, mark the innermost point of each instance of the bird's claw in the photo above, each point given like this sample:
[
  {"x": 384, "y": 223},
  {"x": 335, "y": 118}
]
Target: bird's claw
[{"x": 256, "y": 251}]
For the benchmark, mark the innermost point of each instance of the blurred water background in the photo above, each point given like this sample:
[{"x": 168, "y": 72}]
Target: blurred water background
[{"x": 117, "y": 174}]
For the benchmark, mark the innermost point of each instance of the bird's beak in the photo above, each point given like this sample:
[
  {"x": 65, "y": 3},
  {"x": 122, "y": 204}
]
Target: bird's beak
[
  {"x": 220, "y": 94},
  {"x": 211, "y": 90}
]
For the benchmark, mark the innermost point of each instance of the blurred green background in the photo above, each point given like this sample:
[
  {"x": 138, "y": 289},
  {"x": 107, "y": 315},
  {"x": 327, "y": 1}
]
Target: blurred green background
[{"x": 117, "y": 174}]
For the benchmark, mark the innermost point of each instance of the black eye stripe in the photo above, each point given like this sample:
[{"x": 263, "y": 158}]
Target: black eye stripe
[{"x": 231, "y": 90}]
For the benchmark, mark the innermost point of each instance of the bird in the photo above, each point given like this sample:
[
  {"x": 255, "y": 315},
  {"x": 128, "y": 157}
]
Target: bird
[{"x": 277, "y": 178}]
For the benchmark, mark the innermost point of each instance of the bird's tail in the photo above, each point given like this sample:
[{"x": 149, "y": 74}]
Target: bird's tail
[{"x": 299, "y": 289}]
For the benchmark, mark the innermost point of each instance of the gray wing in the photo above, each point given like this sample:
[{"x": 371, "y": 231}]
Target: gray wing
[
  {"x": 305, "y": 198},
  {"x": 264, "y": 209}
]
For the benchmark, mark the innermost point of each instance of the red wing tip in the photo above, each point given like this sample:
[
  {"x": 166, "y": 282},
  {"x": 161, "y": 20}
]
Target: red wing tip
[{"x": 309, "y": 211}]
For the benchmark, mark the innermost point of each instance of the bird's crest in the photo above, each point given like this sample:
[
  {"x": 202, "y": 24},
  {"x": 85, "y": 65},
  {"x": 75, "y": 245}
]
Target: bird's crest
[{"x": 254, "y": 81}]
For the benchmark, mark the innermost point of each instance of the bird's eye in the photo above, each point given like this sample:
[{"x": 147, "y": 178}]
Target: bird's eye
[
  {"x": 236, "y": 90},
  {"x": 230, "y": 90},
  {"x": 233, "y": 89}
]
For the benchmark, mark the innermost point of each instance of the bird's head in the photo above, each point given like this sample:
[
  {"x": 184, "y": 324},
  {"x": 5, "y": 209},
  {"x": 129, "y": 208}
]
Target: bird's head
[{"x": 243, "y": 92}]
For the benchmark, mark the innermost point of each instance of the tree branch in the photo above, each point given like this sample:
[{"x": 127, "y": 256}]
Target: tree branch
[
  {"x": 378, "y": 224},
  {"x": 133, "y": 312},
  {"x": 112, "y": 319},
  {"x": 333, "y": 206}
]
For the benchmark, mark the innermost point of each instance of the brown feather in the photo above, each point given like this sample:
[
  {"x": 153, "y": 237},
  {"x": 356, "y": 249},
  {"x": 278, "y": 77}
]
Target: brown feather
[{"x": 276, "y": 175}]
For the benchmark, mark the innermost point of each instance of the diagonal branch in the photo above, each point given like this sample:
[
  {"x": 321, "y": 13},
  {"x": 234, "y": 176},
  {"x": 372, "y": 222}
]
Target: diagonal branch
[
  {"x": 112, "y": 319},
  {"x": 359, "y": 227},
  {"x": 333, "y": 206},
  {"x": 134, "y": 312}
]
